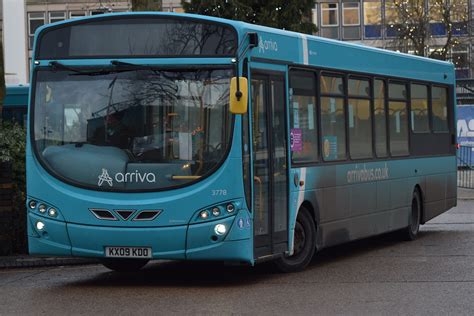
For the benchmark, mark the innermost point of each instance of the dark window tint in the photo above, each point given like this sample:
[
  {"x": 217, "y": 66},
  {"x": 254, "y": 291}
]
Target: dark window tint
[
  {"x": 398, "y": 128},
  {"x": 397, "y": 91},
  {"x": 333, "y": 128},
  {"x": 439, "y": 109},
  {"x": 360, "y": 128},
  {"x": 380, "y": 121},
  {"x": 359, "y": 88},
  {"x": 303, "y": 128},
  {"x": 419, "y": 108},
  {"x": 132, "y": 36},
  {"x": 331, "y": 85}
]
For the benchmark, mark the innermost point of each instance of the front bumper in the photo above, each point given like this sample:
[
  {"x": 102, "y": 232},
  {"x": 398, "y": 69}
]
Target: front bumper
[{"x": 194, "y": 241}]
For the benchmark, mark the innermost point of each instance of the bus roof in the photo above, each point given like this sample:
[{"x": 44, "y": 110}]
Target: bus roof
[{"x": 301, "y": 49}]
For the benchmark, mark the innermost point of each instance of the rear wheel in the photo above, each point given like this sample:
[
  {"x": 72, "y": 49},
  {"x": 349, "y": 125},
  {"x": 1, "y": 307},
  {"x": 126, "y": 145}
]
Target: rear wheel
[
  {"x": 304, "y": 244},
  {"x": 413, "y": 228},
  {"x": 124, "y": 265}
]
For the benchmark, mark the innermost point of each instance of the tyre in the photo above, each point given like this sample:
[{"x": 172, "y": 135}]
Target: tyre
[
  {"x": 304, "y": 244},
  {"x": 411, "y": 231},
  {"x": 124, "y": 265}
]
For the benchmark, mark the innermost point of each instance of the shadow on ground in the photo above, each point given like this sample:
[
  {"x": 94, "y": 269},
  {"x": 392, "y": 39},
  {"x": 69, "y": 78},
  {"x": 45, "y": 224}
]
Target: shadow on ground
[{"x": 216, "y": 274}]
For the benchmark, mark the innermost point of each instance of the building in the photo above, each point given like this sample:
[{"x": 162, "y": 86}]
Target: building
[
  {"x": 367, "y": 22},
  {"x": 25, "y": 16},
  {"x": 40, "y": 12},
  {"x": 172, "y": 6},
  {"x": 374, "y": 23}
]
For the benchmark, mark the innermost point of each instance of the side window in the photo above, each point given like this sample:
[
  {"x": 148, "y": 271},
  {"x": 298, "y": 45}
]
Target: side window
[
  {"x": 397, "y": 110},
  {"x": 303, "y": 120},
  {"x": 419, "y": 108},
  {"x": 380, "y": 121},
  {"x": 439, "y": 108},
  {"x": 360, "y": 119},
  {"x": 333, "y": 123}
]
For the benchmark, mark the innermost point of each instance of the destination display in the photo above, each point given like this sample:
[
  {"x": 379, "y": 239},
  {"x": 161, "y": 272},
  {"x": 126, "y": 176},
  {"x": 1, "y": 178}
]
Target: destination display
[{"x": 136, "y": 36}]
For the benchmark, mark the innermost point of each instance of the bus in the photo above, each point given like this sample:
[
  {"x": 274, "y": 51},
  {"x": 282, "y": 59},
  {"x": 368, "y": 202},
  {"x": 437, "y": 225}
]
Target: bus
[
  {"x": 187, "y": 137},
  {"x": 15, "y": 103}
]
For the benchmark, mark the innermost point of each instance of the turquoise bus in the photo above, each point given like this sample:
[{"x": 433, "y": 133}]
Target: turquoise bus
[
  {"x": 15, "y": 103},
  {"x": 175, "y": 136}
]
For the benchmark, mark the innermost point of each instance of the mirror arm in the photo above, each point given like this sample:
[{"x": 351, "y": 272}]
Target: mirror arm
[{"x": 238, "y": 93}]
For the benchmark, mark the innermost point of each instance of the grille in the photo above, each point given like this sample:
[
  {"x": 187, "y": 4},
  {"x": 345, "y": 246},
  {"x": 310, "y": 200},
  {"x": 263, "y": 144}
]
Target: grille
[
  {"x": 147, "y": 215},
  {"x": 103, "y": 214},
  {"x": 125, "y": 214}
]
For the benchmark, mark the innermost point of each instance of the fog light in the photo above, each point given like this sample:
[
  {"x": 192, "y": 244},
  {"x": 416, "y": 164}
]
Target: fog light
[
  {"x": 42, "y": 208},
  {"x": 32, "y": 204},
  {"x": 39, "y": 225},
  {"x": 216, "y": 211},
  {"x": 220, "y": 229},
  {"x": 230, "y": 208},
  {"x": 204, "y": 215},
  {"x": 52, "y": 212}
]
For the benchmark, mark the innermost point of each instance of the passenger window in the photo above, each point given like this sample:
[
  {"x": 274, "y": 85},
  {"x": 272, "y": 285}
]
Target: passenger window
[
  {"x": 397, "y": 91},
  {"x": 419, "y": 108},
  {"x": 303, "y": 119},
  {"x": 439, "y": 108},
  {"x": 360, "y": 120},
  {"x": 380, "y": 119},
  {"x": 359, "y": 88},
  {"x": 398, "y": 121},
  {"x": 331, "y": 85},
  {"x": 333, "y": 128}
]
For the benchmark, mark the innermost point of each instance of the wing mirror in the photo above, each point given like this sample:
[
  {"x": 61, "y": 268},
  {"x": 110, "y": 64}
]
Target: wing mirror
[{"x": 239, "y": 95}]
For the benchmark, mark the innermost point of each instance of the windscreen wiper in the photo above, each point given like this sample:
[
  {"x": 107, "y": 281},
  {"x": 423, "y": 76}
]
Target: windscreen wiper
[
  {"x": 57, "y": 65},
  {"x": 118, "y": 67}
]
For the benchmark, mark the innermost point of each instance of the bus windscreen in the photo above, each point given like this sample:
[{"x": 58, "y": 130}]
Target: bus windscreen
[{"x": 135, "y": 130}]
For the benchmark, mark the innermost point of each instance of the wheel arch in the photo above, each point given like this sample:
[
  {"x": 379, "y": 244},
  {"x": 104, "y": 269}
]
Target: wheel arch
[{"x": 314, "y": 212}]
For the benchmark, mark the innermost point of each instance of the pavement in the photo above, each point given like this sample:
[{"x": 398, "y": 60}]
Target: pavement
[
  {"x": 465, "y": 194},
  {"x": 25, "y": 261},
  {"x": 433, "y": 275}
]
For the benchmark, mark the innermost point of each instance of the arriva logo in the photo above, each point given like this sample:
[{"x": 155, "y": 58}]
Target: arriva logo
[
  {"x": 264, "y": 45},
  {"x": 104, "y": 177},
  {"x": 126, "y": 177}
]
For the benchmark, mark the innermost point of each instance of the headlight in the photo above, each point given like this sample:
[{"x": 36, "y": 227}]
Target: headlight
[
  {"x": 230, "y": 207},
  {"x": 204, "y": 215},
  {"x": 32, "y": 204},
  {"x": 216, "y": 211},
  {"x": 39, "y": 225},
  {"x": 52, "y": 212},
  {"x": 220, "y": 229},
  {"x": 42, "y": 208}
]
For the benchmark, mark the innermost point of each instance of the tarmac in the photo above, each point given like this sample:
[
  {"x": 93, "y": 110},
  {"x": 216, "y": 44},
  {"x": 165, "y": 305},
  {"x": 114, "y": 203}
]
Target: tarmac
[{"x": 26, "y": 261}]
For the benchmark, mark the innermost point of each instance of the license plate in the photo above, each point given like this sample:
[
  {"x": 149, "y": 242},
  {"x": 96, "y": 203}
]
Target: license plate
[{"x": 128, "y": 252}]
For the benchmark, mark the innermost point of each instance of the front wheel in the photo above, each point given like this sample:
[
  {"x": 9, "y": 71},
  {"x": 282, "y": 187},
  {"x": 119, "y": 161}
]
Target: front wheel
[
  {"x": 124, "y": 265},
  {"x": 304, "y": 244},
  {"x": 411, "y": 231}
]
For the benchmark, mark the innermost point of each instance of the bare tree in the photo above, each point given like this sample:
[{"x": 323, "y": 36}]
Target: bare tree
[{"x": 415, "y": 23}]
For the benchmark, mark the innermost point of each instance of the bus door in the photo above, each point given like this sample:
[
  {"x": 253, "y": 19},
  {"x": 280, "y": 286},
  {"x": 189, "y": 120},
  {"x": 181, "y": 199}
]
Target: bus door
[{"x": 270, "y": 185}]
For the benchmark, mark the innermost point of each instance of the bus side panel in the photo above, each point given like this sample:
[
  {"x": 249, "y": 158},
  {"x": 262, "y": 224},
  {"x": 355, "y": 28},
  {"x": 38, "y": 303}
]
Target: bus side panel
[
  {"x": 352, "y": 208},
  {"x": 439, "y": 186}
]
